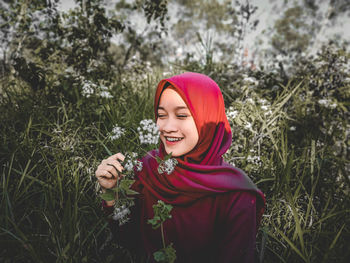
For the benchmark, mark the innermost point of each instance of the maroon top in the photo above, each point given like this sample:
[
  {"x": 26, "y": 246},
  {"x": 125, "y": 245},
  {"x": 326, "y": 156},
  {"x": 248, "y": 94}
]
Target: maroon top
[{"x": 216, "y": 228}]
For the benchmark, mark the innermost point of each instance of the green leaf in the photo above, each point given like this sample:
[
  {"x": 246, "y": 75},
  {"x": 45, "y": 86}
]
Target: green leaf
[
  {"x": 126, "y": 183},
  {"x": 165, "y": 255},
  {"x": 159, "y": 256},
  {"x": 108, "y": 195},
  {"x": 170, "y": 253}
]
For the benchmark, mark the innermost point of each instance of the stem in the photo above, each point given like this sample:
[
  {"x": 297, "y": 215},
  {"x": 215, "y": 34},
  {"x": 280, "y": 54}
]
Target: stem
[
  {"x": 117, "y": 193},
  {"x": 162, "y": 231},
  {"x": 138, "y": 146}
]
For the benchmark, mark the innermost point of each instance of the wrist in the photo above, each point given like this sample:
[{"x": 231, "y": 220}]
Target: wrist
[{"x": 110, "y": 203}]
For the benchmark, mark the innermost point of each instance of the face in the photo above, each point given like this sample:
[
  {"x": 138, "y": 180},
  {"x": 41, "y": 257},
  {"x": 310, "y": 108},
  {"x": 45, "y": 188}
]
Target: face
[{"x": 178, "y": 130}]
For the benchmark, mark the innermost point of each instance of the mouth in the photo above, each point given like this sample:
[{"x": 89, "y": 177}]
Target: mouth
[{"x": 172, "y": 140}]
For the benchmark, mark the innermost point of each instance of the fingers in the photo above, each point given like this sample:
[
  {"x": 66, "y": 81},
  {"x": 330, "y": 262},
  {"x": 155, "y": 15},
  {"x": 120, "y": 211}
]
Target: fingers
[
  {"x": 118, "y": 156},
  {"x": 110, "y": 167}
]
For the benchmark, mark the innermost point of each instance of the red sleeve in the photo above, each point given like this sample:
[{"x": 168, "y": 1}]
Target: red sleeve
[{"x": 237, "y": 228}]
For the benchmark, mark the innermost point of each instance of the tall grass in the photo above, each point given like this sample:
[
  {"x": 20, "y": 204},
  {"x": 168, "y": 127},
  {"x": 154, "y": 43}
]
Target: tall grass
[{"x": 51, "y": 148}]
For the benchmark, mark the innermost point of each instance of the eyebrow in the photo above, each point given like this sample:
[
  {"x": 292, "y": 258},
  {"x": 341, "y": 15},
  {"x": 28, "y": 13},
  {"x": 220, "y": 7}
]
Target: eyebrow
[{"x": 177, "y": 108}]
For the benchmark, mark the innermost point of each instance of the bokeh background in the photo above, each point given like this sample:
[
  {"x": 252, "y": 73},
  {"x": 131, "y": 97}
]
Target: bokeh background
[{"x": 77, "y": 80}]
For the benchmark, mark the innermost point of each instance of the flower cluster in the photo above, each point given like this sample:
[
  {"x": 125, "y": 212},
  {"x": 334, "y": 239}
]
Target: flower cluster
[
  {"x": 327, "y": 103},
  {"x": 132, "y": 162},
  {"x": 121, "y": 214},
  {"x": 117, "y": 132},
  {"x": 167, "y": 166},
  {"x": 105, "y": 93},
  {"x": 89, "y": 88},
  {"x": 148, "y": 132}
]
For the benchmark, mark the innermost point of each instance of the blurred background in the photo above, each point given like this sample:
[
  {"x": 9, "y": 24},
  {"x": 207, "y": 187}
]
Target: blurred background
[{"x": 77, "y": 80}]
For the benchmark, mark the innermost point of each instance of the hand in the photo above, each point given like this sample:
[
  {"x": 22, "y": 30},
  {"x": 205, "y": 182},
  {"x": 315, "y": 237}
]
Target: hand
[{"x": 107, "y": 171}]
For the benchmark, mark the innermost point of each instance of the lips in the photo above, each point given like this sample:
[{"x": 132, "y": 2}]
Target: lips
[{"x": 172, "y": 140}]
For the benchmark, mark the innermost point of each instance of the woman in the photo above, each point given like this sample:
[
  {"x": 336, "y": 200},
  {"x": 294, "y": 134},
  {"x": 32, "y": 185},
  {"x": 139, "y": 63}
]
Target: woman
[{"x": 216, "y": 207}]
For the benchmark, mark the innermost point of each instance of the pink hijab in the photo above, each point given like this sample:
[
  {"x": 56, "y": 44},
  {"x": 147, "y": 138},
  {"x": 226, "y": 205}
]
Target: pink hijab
[{"x": 202, "y": 171}]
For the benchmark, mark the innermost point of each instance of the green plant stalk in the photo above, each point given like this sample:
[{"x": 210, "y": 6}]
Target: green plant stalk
[{"x": 162, "y": 232}]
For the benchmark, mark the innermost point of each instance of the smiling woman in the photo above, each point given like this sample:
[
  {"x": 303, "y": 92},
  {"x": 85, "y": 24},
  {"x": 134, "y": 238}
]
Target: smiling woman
[
  {"x": 216, "y": 207},
  {"x": 178, "y": 130}
]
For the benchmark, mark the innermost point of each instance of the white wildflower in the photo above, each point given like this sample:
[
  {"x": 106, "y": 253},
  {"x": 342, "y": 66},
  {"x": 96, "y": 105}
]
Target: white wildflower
[
  {"x": 148, "y": 132},
  {"x": 231, "y": 114},
  {"x": 269, "y": 112},
  {"x": 254, "y": 160},
  {"x": 323, "y": 102},
  {"x": 167, "y": 166},
  {"x": 251, "y": 80},
  {"x": 264, "y": 108},
  {"x": 248, "y": 126},
  {"x": 121, "y": 214},
  {"x": 292, "y": 128},
  {"x": 250, "y": 100},
  {"x": 263, "y": 101},
  {"x": 333, "y": 105},
  {"x": 88, "y": 88},
  {"x": 133, "y": 162},
  {"x": 105, "y": 93},
  {"x": 117, "y": 132},
  {"x": 327, "y": 103},
  {"x": 139, "y": 165}
]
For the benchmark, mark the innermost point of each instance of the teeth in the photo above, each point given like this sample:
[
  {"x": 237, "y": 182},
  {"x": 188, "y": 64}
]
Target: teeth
[{"x": 173, "y": 139}]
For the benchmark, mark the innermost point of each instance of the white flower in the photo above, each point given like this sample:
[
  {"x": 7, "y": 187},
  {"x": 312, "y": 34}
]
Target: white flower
[
  {"x": 323, "y": 102},
  {"x": 88, "y": 88},
  {"x": 269, "y": 112},
  {"x": 292, "y": 128},
  {"x": 333, "y": 105},
  {"x": 265, "y": 108},
  {"x": 263, "y": 101},
  {"x": 148, "y": 132},
  {"x": 105, "y": 93},
  {"x": 231, "y": 114},
  {"x": 250, "y": 100},
  {"x": 139, "y": 166},
  {"x": 248, "y": 126},
  {"x": 121, "y": 214},
  {"x": 167, "y": 166},
  {"x": 327, "y": 103},
  {"x": 249, "y": 79},
  {"x": 117, "y": 132},
  {"x": 133, "y": 162}
]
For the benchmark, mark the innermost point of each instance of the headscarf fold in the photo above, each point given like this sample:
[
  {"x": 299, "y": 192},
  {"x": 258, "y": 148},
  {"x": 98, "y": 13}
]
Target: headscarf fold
[{"x": 202, "y": 171}]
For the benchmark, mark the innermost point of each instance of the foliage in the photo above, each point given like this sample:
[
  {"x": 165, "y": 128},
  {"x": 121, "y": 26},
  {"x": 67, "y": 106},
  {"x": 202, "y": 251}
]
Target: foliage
[
  {"x": 162, "y": 213},
  {"x": 65, "y": 102}
]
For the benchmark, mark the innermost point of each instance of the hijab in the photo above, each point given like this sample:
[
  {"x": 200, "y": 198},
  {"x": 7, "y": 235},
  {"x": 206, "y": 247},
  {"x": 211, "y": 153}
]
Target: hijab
[{"x": 202, "y": 171}]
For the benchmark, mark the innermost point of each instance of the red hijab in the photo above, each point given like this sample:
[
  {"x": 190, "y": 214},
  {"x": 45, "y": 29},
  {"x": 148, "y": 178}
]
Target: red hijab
[{"x": 202, "y": 171}]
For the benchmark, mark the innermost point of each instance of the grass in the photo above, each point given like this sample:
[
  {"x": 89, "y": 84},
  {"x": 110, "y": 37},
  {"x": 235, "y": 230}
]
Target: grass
[{"x": 49, "y": 152}]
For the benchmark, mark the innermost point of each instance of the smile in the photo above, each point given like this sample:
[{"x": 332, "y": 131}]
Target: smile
[{"x": 173, "y": 139}]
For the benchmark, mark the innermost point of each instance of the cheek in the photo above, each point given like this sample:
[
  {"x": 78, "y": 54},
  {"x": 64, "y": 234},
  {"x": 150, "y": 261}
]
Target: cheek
[{"x": 191, "y": 130}]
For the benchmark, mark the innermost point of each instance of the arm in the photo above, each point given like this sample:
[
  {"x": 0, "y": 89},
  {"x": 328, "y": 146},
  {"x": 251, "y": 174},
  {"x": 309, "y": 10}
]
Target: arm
[{"x": 237, "y": 224}]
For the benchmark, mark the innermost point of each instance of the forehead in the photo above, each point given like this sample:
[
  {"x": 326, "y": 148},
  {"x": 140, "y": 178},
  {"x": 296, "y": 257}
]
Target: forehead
[{"x": 170, "y": 98}]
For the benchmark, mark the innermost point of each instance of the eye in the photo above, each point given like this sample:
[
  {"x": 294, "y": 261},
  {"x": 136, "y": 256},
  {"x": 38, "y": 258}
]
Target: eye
[
  {"x": 182, "y": 116},
  {"x": 161, "y": 115}
]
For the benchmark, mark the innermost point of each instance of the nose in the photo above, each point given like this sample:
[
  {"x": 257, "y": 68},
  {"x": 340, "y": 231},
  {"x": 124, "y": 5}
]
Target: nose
[{"x": 167, "y": 125}]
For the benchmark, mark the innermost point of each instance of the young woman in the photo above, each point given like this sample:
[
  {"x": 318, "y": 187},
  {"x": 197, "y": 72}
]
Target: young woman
[{"x": 216, "y": 207}]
